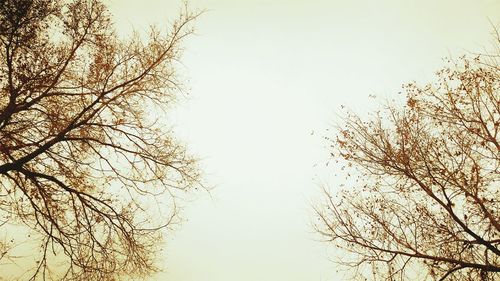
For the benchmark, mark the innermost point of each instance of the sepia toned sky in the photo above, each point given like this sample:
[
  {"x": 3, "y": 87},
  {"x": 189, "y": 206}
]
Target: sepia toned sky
[{"x": 266, "y": 79}]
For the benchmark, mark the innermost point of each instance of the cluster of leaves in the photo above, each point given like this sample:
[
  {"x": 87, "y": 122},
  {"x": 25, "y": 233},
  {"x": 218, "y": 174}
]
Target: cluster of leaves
[
  {"x": 84, "y": 162},
  {"x": 426, "y": 204}
]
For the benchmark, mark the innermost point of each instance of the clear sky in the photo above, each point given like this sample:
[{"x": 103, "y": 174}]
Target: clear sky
[{"x": 266, "y": 80}]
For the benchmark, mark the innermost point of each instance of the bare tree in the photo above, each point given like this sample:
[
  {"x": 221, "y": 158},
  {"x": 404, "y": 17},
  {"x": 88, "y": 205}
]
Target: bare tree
[
  {"x": 422, "y": 198},
  {"x": 86, "y": 159}
]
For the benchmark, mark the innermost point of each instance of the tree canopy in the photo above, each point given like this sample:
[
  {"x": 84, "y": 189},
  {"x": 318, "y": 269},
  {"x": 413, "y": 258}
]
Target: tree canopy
[
  {"x": 422, "y": 199},
  {"x": 87, "y": 162}
]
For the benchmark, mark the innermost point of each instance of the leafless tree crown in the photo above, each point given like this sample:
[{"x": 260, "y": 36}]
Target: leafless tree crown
[
  {"x": 423, "y": 201},
  {"x": 86, "y": 160}
]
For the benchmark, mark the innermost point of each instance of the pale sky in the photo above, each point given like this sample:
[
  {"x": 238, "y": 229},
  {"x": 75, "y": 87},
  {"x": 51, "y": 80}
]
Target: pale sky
[{"x": 266, "y": 80}]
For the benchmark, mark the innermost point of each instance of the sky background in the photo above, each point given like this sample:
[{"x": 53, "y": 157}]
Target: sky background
[{"x": 265, "y": 80}]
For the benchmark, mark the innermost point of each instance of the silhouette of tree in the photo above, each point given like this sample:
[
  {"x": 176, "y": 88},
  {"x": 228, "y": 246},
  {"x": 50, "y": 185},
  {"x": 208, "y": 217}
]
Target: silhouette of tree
[
  {"x": 422, "y": 198},
  {"x": 86, "y": 160}
]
